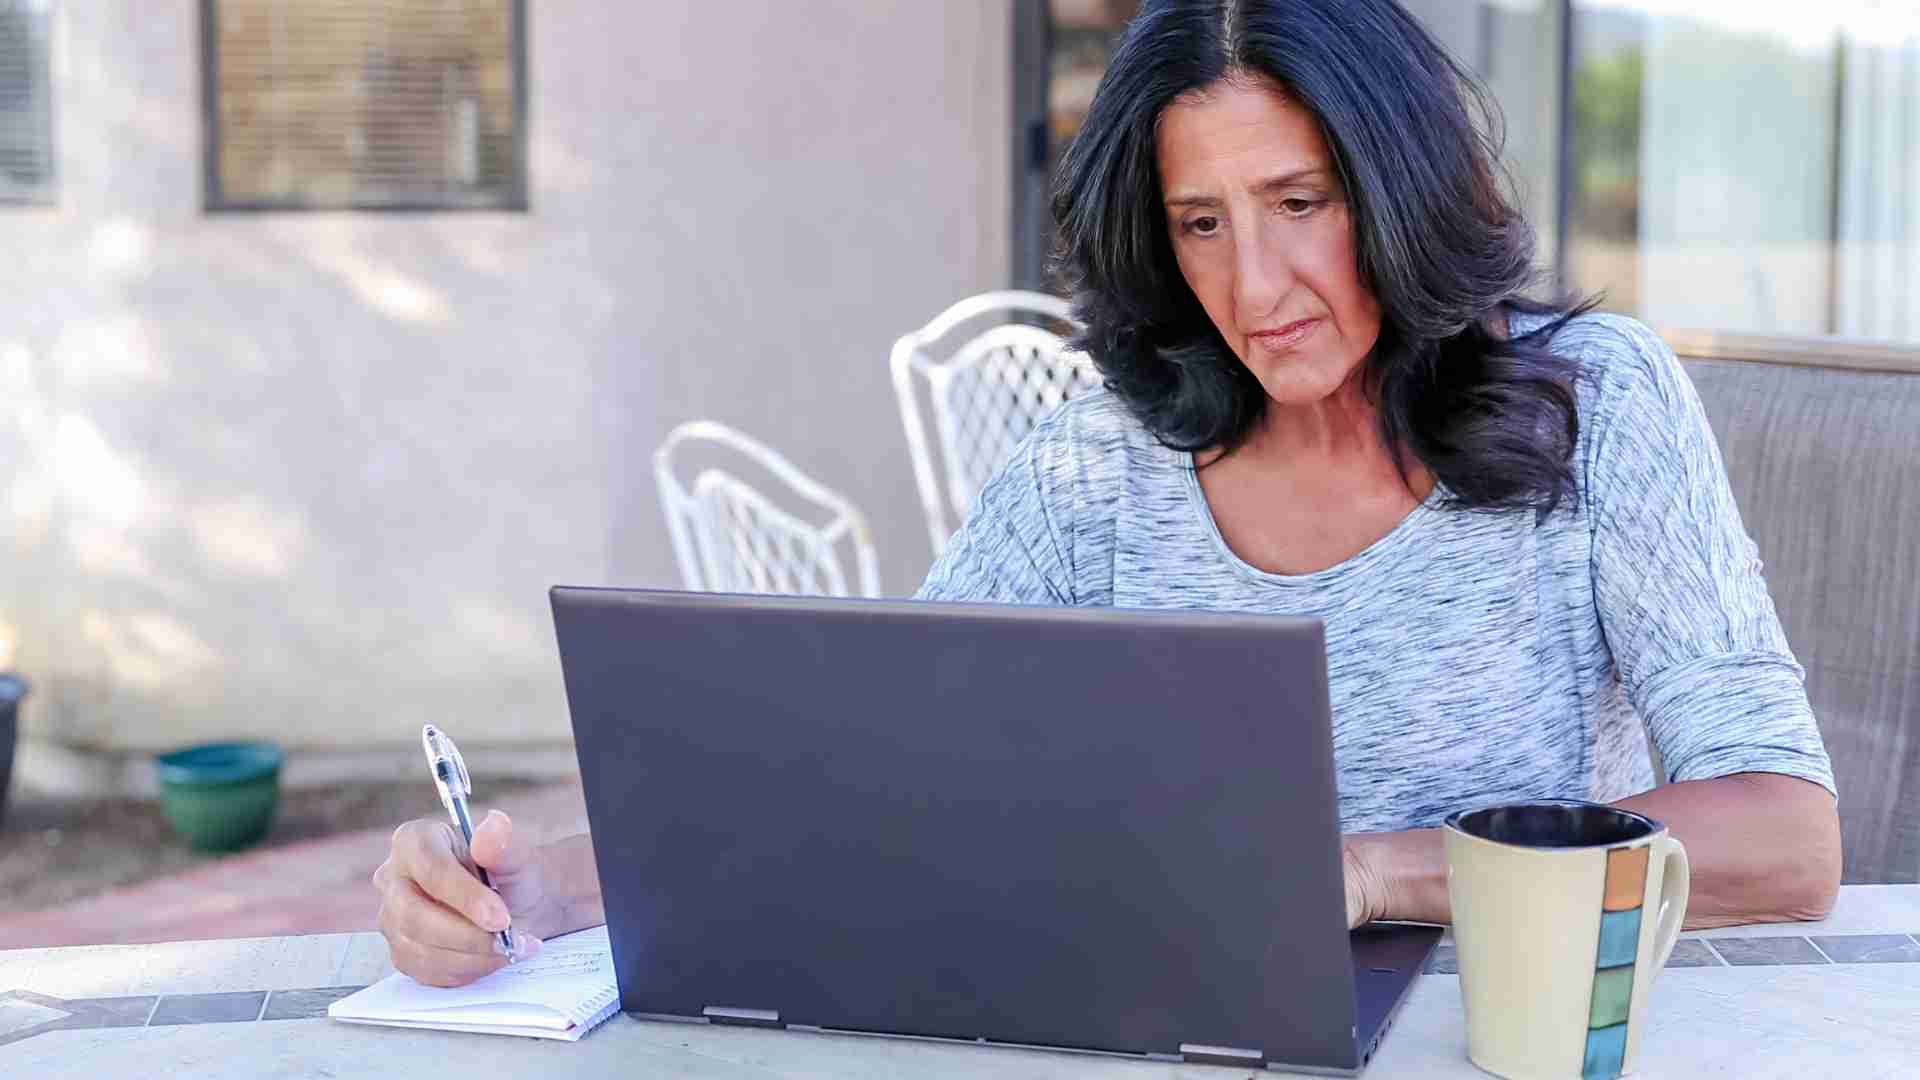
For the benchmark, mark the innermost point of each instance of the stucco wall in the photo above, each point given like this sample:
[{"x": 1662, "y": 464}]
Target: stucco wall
[{"x": 310, "y": 475}]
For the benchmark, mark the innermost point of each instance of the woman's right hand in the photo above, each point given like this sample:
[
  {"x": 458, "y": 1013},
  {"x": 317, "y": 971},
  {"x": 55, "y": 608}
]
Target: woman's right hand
[{"x": 440, "y": 923}]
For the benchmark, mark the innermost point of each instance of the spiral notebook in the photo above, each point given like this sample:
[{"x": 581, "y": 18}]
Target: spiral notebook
[{"x": 562, "y": 993}]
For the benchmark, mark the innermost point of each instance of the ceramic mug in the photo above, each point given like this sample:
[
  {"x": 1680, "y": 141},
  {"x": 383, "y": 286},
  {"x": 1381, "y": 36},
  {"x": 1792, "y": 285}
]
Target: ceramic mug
[{"x": 1563, "y": 913}]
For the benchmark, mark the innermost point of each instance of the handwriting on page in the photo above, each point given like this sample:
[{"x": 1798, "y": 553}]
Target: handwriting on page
[
  {"x": 547, "y": 964},
  {"x": 585, "y": 953}
]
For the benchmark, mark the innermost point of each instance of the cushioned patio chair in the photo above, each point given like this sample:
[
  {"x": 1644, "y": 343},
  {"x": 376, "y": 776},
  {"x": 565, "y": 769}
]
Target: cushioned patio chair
[{"x": 1822, "y": 446}]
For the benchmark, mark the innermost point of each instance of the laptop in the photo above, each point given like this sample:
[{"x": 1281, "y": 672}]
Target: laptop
[{"x": 1070, "y": 828}]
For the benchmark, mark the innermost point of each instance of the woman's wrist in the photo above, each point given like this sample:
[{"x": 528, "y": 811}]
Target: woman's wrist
[
  {"x": 1402, "y": 875},
  {"x": 572, "y": 883}
]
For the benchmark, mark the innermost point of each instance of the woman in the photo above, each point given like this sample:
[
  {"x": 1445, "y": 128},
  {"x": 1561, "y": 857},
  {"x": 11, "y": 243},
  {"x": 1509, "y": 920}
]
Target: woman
[{"x": 1328, "y": 396}]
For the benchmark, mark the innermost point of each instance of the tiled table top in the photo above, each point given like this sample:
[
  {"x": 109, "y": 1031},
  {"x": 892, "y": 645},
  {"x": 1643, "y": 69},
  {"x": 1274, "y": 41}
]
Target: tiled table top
[{"x": 1840, "y": 994}]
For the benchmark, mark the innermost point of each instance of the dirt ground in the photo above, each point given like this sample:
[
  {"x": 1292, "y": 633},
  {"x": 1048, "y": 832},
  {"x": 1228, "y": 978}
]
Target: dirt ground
[{"x": 54, "y": 851}]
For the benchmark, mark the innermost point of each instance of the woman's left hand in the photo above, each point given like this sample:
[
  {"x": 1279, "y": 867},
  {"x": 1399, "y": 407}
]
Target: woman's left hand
[{"x": 1363, "y": 886}]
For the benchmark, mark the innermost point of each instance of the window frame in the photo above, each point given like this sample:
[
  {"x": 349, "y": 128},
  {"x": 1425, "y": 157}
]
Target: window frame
[
  {"x": 215, "y": 201},
  {"x": 1032, "y": 222},
  {"x": 48, "y": 191}
]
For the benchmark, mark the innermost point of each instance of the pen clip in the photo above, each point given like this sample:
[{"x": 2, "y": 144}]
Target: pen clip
[{"x": 440, "y": 750}]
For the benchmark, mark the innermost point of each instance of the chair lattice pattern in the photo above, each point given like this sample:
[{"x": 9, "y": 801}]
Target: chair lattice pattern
[
  {"x": 997, "y": 388},
  {"x": 749, "y": 545}
]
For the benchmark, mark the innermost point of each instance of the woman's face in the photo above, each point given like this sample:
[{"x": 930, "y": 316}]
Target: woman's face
[{"x": 1264, "y": 238}]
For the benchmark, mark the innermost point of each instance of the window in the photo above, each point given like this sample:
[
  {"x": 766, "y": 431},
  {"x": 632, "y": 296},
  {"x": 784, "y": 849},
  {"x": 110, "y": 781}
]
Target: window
[
  {"x": 1061, "y": 50},
  {"x": 365, "y": 104},
  {"x": 1726, "y": 165},
  {"x": 26, "y": 104},
  {"x": 1749, "y": 167}
]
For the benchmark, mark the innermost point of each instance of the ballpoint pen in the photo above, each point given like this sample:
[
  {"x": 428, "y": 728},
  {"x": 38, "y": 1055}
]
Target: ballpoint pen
[{"x": 450, "y": 776}]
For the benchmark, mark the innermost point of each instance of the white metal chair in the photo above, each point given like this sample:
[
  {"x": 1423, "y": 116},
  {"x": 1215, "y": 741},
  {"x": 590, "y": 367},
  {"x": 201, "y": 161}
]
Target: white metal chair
[
  {"x": 985, "y": 395},
  {"x": 729, "y": 537}
]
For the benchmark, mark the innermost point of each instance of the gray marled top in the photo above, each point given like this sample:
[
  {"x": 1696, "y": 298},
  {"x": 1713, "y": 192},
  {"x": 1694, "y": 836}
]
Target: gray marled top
[{"x": 1472, "y": 657}]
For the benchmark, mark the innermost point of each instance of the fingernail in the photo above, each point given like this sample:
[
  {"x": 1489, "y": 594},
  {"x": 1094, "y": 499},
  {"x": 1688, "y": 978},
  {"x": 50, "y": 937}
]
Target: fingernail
[
  {"x": 497, "y": 917},
  {"x": 526, "y": 946}
]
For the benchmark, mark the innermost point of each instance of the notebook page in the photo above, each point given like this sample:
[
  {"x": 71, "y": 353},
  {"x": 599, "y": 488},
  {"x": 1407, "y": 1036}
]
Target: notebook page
[
  {"x": 573, "y": 975},
  {"x": 567, "y": 983}
]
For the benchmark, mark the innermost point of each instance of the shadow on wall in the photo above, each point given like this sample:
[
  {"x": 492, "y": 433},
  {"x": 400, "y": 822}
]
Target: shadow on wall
[
  {"x": 298, "y": 475},
  {"x": 311, "y": 474}
]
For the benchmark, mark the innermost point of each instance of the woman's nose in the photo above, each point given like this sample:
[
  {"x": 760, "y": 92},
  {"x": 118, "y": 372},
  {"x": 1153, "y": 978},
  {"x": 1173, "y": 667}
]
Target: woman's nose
[{"x": 1260, "y": 278}]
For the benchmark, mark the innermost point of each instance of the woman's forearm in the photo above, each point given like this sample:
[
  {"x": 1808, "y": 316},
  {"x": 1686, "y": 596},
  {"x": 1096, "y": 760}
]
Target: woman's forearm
[{"x": 1763, "y": 848}]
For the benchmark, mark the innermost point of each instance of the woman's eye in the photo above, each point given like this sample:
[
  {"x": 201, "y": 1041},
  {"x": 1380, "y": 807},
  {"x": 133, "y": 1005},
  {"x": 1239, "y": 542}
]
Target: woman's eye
[
  {"x": 1204, "y": 226},
  {"x": 1296, "y": 207}
]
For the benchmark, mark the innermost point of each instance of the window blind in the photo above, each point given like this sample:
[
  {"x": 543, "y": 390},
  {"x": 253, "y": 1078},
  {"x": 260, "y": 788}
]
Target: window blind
[
  {"x": 328, "y": 104},
  {"x": 26, "y": 112}
]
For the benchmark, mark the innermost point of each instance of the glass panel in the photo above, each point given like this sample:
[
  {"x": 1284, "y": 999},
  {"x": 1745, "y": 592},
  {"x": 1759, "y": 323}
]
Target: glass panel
[
  {"x": 1603, "y": 173},
  {"x": 1513, "y": 46},
  {"x": 1748, "y": 166},
  {"x": 368, "y": 103},
  {"x": 1520, "y": 63},
  {"x": 1877, "y": 212}
]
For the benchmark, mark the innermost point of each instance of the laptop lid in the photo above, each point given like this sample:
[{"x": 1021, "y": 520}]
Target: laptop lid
[{"x": 1088, "y": 828}]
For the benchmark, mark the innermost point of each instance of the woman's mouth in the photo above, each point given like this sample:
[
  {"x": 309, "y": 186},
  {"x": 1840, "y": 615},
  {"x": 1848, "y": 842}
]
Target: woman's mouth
[{"x": 1286, "y": 337}]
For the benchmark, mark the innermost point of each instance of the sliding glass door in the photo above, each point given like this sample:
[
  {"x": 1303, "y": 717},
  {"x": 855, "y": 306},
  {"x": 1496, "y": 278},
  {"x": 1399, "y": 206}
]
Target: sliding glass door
[{"x": 1728, "y": 165}]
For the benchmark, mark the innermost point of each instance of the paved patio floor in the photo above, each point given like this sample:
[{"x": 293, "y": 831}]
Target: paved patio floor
[{"x": 314, "y": 886}]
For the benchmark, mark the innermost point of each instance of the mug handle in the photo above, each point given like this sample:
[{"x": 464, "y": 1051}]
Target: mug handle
[{"x": 1675, "y": 886}]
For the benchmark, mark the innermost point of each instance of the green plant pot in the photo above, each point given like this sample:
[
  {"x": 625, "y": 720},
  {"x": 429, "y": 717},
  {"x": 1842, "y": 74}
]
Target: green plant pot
[{"x": 220, "y": 796}]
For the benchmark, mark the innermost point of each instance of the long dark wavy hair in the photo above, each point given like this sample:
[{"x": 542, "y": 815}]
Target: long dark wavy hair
[{"x": 1438, "y": 243}]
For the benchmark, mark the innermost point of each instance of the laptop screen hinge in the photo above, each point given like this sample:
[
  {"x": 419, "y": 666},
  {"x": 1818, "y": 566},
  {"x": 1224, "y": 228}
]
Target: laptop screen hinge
[
  {"x": 1200, "y": 1054},
  {"x": 726, "y": 1014}
]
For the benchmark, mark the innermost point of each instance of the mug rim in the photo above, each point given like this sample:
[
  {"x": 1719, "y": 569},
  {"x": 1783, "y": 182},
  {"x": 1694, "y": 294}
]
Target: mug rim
[{"x": 1654, "y": 826}]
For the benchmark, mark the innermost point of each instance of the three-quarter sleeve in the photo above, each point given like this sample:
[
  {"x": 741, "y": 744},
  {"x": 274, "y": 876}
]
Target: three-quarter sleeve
[
  {"x": 1685, "y": 610},
  {"x": 1010, "y": 548}
]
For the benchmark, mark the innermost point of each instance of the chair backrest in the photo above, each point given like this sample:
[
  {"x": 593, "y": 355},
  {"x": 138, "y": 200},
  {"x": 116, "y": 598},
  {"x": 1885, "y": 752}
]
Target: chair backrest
[
  {"x": 1824, "y": 462},
  {"x": 985, "y": 394},
  {"x": 729, "y": 537}
]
